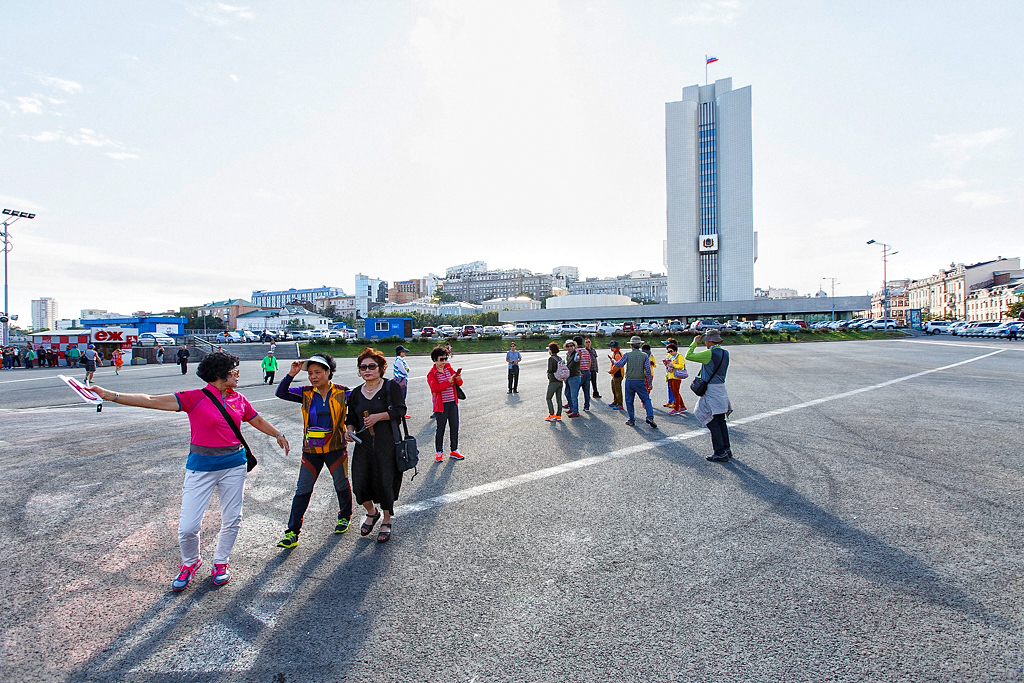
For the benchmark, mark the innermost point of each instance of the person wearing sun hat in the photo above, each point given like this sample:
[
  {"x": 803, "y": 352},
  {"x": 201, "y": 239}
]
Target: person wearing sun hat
[
  {"x": 638, "y": 375},
  {"x": 323, "y": 441},
  {"x": 713, "y": 407}
]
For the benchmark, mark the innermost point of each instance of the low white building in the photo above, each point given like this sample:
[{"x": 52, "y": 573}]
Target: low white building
[
  {"x": 459, "y": 308},
  {"x": 589, "y": 301},
  {"x": 511, "y": 303},
  {"x": 257, "y": 321},
  {"x": 421, "y": 305}
]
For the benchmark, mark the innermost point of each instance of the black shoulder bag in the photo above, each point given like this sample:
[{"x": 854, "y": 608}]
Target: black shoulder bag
[
  {"x": 699, "y": 386},
  {"x": 407, "y": 453},
  {"x": 250, "y": 459}
]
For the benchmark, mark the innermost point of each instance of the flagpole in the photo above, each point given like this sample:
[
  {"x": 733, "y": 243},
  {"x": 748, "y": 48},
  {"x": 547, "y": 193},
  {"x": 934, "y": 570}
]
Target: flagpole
[{"x": 705, "y": 69}]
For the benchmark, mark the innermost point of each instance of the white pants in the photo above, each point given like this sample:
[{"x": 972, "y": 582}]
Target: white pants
[{"x": 195, "y": 496}]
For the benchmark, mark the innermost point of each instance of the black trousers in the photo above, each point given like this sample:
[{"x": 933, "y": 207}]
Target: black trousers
[
  {"x": 719, "y": 434},
  {"x": 449, "y": 415},
  {"x": 268, "y": 375},
  {"x": 184, "y": 367},
  {"x": 513, "y": 378},
  {"x": 593, "y": 381},
  {"x": 312, "y": 464}
]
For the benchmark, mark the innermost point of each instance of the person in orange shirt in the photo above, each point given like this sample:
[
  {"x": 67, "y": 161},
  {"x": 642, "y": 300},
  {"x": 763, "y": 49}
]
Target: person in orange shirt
[
  {"x": 617, "y": 376},
  {"x": 118, "y": 356}
]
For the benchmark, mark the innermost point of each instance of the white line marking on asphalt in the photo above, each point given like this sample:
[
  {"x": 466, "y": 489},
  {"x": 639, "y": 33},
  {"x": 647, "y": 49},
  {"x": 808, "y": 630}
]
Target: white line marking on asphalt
[
  {"x": 962, "y": 346},
  {"x": 473, "y": 492}
]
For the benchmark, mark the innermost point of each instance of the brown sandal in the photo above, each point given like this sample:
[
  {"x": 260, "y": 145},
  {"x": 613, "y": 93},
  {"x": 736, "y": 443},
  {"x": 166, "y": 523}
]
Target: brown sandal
[
  {"x": 369, "y": 523},
  {"x": 383, "y": 536}
]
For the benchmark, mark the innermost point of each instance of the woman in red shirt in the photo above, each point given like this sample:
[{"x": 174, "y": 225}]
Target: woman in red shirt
[{"x": 443, "y": 383}]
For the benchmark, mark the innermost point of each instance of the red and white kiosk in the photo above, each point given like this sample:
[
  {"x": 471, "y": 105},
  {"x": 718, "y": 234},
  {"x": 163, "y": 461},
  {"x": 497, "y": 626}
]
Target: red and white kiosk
[{"x": 105, "y": 339}]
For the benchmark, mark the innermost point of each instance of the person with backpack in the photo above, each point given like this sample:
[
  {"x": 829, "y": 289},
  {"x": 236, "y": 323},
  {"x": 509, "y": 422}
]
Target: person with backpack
[
  {"x": 324, "y": 406},
  {"x": 558, "y": 372},
  {"x": 675, "y": 373},
  {"x": 217, "y": 458},
  {"x": 713, "y": 407},
  {"x": 575, "y": 379},
  {"x": 444, "y": 385}
]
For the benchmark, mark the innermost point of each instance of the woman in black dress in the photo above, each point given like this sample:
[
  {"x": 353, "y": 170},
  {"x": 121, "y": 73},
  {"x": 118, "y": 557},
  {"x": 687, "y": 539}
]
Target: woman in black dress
[{"x": 376, "y": 479}]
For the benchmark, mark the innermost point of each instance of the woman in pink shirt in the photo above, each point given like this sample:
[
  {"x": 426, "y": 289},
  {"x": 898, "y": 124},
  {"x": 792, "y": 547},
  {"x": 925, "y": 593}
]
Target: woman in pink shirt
[{"x": 216, "y": 459}]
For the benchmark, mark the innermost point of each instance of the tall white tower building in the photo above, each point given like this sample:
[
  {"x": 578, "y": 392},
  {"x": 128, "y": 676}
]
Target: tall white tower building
[
  {"x": 711, "y": 246},
  {"x": 44, "y": 313}
]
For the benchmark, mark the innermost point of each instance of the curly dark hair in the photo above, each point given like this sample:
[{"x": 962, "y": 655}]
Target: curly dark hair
[
  {"x": 216, "y": 366},
  {"x": 377, "y": 356},
  {"x": 332, "y": 366},
  {"x": 438, "y": 352}
]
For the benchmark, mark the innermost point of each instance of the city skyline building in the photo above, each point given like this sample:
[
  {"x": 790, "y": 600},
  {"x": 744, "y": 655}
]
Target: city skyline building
[
  {"x": 711, "y": 245},
  {"x": 262, "y": 298},
  {"x": 44, "y": 313},
  {"x": 370, "y": 293}
]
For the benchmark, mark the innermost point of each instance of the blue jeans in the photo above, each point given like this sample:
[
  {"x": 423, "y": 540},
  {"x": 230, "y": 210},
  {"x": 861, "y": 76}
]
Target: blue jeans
[
  {"x": 638, "y": 387},
  {"x": 585, "y": 376},
  {"x": 573, "y": 393}
]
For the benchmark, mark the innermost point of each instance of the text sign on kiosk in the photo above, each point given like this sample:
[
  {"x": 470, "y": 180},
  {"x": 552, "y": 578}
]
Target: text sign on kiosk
[{"x": 115, "y": 335}]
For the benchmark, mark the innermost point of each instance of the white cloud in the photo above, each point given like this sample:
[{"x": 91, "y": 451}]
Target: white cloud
[
  {"x": 979, "y": 199},
  {"x": 121, "y": 156},
  {"x": 60, "y": 84},
  {"x": 723, "y": 11},
  {"x": 30, "y": 105},
  {"x": 45, "y": 136},
  {"x": 220, "y": 14},
  {"x": 234, "y": 78},
  {"x": 949, "y": 183},
  {"x": 960, "y": 147},
  {"x": 21, "y": 204}
]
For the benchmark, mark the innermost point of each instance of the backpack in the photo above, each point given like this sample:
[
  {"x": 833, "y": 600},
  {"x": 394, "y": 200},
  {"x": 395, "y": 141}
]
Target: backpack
[{"x": 562, "y": 372}]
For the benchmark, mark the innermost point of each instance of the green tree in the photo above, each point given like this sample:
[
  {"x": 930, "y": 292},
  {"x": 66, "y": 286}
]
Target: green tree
[
  {"x": 442, "y": 297},
  {"x": 1014, "y": 309},
  {"x": 208, "y": 322}
]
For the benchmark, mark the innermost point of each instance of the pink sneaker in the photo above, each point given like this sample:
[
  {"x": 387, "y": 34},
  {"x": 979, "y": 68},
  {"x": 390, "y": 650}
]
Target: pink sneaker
[
  {"x": 220, "y": 574},
  {"x": 185, "y": 576}
]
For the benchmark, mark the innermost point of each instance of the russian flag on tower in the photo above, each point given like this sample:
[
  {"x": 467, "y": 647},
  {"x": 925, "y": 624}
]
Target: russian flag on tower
[{"x": 710, "y": 59}]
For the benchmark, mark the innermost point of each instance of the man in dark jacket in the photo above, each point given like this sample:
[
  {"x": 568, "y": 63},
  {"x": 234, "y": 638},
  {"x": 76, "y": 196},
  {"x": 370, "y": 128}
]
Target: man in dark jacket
[{"x": 183, "y": 355}]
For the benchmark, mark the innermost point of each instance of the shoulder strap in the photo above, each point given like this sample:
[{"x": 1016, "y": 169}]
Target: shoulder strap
[
  {"x": 227, "y": 418},
  {"x": 394, "y": 427},
  {"x": 718, "y": 365}
]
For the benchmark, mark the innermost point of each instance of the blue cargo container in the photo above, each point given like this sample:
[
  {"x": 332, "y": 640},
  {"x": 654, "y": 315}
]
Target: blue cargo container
[{"x": 377, "y": 328}]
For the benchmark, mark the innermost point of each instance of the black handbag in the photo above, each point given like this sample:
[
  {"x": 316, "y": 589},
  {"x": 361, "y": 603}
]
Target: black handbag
[
  {"x": 407, "y": 453},
  {"x": 250, "y": 459},
  {"x": 699, "y": 386}
]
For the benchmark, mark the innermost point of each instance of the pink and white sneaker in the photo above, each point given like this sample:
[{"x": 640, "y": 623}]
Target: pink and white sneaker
[{"x": 188, "y": 571}]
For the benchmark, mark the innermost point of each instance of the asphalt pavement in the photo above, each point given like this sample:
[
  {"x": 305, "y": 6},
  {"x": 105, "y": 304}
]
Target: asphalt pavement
[{"x": 867, "y": 529}]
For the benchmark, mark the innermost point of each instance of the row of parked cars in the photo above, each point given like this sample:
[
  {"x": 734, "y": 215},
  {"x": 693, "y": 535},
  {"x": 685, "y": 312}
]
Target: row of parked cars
[{"x": 961, "y": 328}]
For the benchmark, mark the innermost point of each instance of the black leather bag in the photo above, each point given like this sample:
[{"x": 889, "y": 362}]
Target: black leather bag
[
  {"x": 250, "y": 459},
  {"x": 699, "y": 386},
  {"x": 407, "y": 453}
]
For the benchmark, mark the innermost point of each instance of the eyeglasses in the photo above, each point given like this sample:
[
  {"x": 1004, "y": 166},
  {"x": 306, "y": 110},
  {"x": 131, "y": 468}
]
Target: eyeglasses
[
  {"x": 367, "y": 366},
  {"x": 442, "y": 357}
]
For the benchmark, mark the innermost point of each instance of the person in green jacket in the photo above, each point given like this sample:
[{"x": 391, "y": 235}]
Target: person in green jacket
[{"x": 269, "y": 366}]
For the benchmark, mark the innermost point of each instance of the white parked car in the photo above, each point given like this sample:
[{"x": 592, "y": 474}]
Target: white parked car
[
  {"x": 608, "y": 328},
  {"x": 589, "y": 329},
  {"x": 490, "y": 329},
  {"x": 879, "y": 324},
  {"x": 318, "y": 334},
  {"x": 521, "y": 328},
  {"x": 937, "y": 326},
  {"x": 155, "y": 339}
]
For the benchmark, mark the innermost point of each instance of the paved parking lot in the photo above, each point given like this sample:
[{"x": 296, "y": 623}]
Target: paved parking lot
[{"x": 867, "y": 529}]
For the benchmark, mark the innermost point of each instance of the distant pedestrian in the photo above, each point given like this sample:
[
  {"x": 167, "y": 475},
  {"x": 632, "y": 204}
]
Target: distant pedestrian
[
  {"x": 400, "y": 370},
  {"x": 72, "y": 355},
  {"x": 92, "y": 359},
  {"x": 585, "y": 374},
  {"x": 713, "y": 407},
  {"x": 183, "y": 355},
  {"x": 554, "y": 384},
  {"x": 324, "y": 405},
  {"x": 273, "y": 344},
  {"x": 118, "y": 356},
  {"x": 374, "y": 411},
  {"x": 1011, "y": 334},
  {"x": 216, "y": 459},
  {"x": 513, "y": 357},
  {"x": 160, "y": 355},
  {"x": 444, "y": 383},
  {"x": 448, "y": 349},
  {"x": 675, "y": 373},
  {"x": 618, "y": 374},
  {"x": 269, "y": 366},
  {"x": 30, "y": 358},
  {"x": 638, "y": 377},
  {"x": 588, "y": 346}
]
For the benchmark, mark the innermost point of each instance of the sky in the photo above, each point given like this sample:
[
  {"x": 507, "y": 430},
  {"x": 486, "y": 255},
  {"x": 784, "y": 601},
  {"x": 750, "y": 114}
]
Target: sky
[{"x": 177, "y": 153}]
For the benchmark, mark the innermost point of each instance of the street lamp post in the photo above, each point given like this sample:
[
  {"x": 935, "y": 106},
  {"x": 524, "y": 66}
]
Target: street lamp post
[
  {"x": 886, "y": 253},
  {"x": 11, "y": 216},
  {"x": 833, "y": 296}
]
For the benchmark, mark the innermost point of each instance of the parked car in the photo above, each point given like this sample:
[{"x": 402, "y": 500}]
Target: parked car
[
  {"x": 318, "y": 334},
  {"x": 155, "y": 339},
  {"x": 879, "y": 324},
  {"x": 629, "y": 326},
  {"x": 704, "y": 325},
  {"x": 783, "y": 326},
  {"x": 978, "y": 329},
  {"x": 539, "y": 327},
  {"x": 937, "y": 326},
  {"x": 676, "y": 326},
  {"x": 249, "y": 335},
  {"x": 957, "y": 327},
  {"x": 229, "y": 338},
  {"x": 569, "y": 328},
  {"x": 655, "y": 326},
  {"x": 428, "y": 332},
  {"x": 521, "y": 328},
  {"x": 608, "y": 328}
]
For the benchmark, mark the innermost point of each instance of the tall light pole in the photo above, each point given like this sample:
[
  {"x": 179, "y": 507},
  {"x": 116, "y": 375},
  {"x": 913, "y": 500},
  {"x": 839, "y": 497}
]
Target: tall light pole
[
  {"x": 10, "y": 216},
  {"x": 887, "y": 251},
  {"x": 833, "y": 296}
]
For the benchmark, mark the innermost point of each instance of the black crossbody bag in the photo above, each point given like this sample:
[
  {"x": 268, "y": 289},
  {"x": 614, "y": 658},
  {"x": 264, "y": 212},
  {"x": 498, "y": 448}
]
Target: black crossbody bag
[
  {"x": 250, "y": 459},
  {"x": 699, "y": 386},
  {"x": 407, "y": 453}
]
